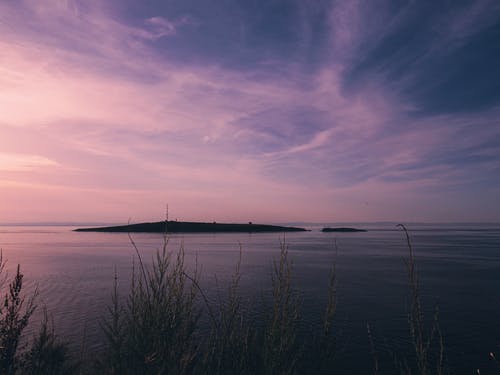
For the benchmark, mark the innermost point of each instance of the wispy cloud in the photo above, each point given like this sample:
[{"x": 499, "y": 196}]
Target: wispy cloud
[
  {"x": 121, "y": 108},
  {"x": 159, "y": 27},
  {"x": 23, "y": 163}
]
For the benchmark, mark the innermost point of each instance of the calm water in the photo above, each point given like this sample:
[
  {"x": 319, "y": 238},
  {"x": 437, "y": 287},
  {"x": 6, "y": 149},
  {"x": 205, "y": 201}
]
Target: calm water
[{"x": 459, "y": 268}]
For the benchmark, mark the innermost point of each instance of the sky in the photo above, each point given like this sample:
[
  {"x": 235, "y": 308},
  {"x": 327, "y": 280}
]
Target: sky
[{"x": 249, "y": 110}]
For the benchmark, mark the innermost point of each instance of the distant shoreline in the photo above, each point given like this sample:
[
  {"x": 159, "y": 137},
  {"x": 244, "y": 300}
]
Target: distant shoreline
[
  {"x": 343, "y": 229},
  {"x": 192, "y": 227}
]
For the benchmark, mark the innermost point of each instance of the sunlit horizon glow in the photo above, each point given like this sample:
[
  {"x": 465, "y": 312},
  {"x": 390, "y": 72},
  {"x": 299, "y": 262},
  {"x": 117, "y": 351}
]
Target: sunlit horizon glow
[{"x": 278, "y": 112}]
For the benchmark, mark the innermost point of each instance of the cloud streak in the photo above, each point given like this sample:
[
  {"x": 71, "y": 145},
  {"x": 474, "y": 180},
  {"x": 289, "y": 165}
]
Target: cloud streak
[{"x": 115, "y": 108}]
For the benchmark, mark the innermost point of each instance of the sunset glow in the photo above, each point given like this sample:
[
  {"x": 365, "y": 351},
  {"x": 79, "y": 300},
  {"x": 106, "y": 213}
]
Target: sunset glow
[{"x": 288, "y": 111}]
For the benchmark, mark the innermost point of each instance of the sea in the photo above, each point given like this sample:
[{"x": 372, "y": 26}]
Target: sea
[{"x": 458, "y": 267}]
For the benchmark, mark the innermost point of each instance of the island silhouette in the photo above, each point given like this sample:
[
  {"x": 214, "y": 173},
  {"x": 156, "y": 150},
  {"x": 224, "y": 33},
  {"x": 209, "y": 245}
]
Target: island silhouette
[{"x": 192, "y": 227}]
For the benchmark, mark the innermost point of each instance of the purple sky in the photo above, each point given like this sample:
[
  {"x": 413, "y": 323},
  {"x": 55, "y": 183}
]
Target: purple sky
[{"x": 269, "y": 111}]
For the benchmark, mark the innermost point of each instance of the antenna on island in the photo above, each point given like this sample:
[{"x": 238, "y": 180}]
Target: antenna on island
[{"x": 166, "y": 219}]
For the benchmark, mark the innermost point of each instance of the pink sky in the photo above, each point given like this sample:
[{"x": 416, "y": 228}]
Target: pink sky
[{"x": 100, "y": 121}]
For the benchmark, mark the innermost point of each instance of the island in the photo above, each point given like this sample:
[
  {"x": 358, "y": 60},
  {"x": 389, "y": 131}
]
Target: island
[
  {"x": 342, "y": 229},
  {"x": 192, "y": 227}
]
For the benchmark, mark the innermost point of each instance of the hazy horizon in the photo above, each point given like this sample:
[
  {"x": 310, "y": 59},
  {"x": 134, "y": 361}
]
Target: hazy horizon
[
  {"x": 395, "y": 223},
  {"x": 267, "y": 111}
]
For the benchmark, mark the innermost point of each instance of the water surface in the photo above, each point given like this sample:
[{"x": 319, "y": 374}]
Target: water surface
[{"x": 458, "y": 265}]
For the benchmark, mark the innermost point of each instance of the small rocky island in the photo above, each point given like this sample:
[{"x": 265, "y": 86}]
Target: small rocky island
[
  {"x": 192, "y": 227},
  {"x": 343, "y": 229}
]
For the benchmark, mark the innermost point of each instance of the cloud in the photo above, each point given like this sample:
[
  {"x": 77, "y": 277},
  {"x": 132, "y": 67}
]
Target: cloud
[
  {"x": 159, "y": 27},
  {"x": 439, "y": 58},
  {"x": 127, "y": 115},
  {"x": 24, "y": 163}
]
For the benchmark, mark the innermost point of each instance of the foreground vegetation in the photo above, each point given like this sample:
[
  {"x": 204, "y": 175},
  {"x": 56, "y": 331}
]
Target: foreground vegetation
[{"x": 156, "y": 328}]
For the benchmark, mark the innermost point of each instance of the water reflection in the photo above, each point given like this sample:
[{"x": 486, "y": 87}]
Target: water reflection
[{"x": 458, "y": 268}]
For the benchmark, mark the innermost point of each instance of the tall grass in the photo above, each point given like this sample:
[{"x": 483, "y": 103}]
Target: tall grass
[
  {"x": 14, "y": 316},
  {"x": 281, "y": 350},
  {"x": 154, "y": 331},
  {"x": 157, "y": 330},
  {"x": 428, "y": 345},
  {"x": 45, "y": 354},
  {"x": 320, "y": 358},
  {"x": 229, "y": 346}
]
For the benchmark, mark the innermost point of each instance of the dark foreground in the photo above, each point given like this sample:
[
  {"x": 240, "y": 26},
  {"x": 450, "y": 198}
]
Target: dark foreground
[
  {"x": 141, "y": 334},
  {"x": 192, "y": 227}
]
